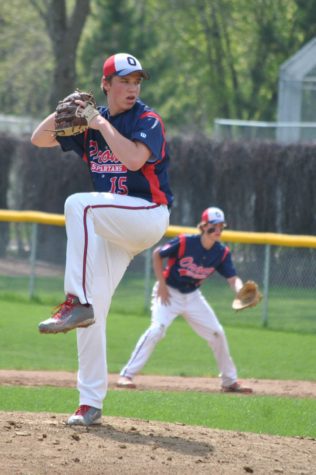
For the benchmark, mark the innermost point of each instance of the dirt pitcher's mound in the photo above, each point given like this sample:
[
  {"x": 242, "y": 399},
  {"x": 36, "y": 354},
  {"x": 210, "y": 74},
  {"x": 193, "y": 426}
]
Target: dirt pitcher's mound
[{"x": 43, "y": 444}]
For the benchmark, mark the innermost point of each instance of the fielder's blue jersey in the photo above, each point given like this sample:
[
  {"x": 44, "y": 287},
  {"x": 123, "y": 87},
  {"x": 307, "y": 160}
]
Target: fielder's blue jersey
[
  {"x": 142, "y": 124},
  {"x": 189, "y": 263}
]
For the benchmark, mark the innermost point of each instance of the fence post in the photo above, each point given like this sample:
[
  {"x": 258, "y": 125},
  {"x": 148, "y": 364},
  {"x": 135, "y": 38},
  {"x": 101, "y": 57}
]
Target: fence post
[
  {"x": 266, "y": 278},
  {"x": 33, "y": 259},
  {"x": 147, "y": 277}
]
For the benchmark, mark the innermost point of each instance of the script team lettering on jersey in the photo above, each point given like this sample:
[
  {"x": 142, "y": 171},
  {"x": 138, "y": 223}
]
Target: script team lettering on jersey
[
  {"x": 104, "y": 161},
  {"x": 188, "y": 268},
  {"x": 189, "y": 263}
]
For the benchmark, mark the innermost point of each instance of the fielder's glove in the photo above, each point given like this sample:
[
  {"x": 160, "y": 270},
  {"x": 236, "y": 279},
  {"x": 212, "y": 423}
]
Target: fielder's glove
[
  {"x": 248, "y": 296},
  {"x": 70, "y": 117}
]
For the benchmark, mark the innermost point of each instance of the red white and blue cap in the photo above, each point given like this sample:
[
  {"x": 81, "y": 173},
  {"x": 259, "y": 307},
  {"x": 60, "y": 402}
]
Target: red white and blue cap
[
  {"x": 213, "y": 215},
  {"x": 122, "y": 64}
]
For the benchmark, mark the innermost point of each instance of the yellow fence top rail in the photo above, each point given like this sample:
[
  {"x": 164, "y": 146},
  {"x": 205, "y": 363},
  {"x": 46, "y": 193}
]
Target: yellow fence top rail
[
  {"x": 32, "y": 217},
  {"x": 249, "y": 237},
  {"x": 243, "y": 237}
]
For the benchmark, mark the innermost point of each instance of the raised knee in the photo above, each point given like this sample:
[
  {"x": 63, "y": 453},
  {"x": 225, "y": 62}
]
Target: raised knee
[{"x": 74, "y": 204}]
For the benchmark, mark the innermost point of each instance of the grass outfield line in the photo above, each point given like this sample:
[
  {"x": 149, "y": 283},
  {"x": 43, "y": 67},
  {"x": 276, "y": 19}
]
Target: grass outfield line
[
  {"x": 258, "y": 353},
  {"x": 258, "y": 414},
  {"x": 289, "y": 309}
]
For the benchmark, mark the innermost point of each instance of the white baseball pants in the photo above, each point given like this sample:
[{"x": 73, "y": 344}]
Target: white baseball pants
[
  {"x": 104, "y": 231},
  {"x": 199, "y": 315}
]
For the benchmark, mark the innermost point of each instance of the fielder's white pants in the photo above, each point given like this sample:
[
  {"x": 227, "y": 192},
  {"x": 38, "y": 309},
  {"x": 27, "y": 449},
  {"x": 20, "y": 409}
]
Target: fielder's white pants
[
  {"x": 199, "y": 315},
  {"x": 104, "y": 231}
]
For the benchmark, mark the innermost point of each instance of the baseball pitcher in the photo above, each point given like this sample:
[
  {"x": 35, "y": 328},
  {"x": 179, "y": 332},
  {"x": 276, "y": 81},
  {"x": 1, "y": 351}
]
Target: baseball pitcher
[{"x": 124, "y": 146}]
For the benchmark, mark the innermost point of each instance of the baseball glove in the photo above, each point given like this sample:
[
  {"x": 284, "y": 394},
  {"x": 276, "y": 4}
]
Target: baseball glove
[
  {"x": 248, "y": 296},
  {"x": 70, "y": 117}
]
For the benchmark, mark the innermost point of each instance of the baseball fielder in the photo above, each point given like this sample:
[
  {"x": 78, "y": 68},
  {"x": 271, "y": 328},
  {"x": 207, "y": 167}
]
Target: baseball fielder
[
  {"x": 191, "y": 260},
  {"x": 126, "y": 152}
]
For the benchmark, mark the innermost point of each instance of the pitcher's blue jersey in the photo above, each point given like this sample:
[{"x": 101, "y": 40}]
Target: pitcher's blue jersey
[
  {"x": 189, "y": 263},
  {"x": 142, "y": 124}
]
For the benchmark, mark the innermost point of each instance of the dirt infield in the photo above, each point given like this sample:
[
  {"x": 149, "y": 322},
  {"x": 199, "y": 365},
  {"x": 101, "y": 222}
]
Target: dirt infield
[
  {"x": 37, "y": 444},
  {"x": 161, "y": 383}
]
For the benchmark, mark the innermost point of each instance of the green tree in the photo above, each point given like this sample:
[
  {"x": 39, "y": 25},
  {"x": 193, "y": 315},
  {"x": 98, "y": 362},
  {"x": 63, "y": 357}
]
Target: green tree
[
  {"x": 206, "y": 59},
  {"x": 305, "y": 19},
  {"x": 26, "y": 60},
  {"x": 225, "y": 56},
  {"x": 114, "y": 26},
  {"x": 64, "y": 29},
  {"x": 38, "y": 54}
]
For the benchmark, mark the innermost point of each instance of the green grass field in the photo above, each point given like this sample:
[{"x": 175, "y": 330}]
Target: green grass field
[
  {"x": 270, "y": 415},
  {"x": 258, "y": 353},
  {"x": 288, "y": 309}
]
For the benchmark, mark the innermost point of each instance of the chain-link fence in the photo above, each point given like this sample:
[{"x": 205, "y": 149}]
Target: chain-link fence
[{"x": 286, "y": 276}]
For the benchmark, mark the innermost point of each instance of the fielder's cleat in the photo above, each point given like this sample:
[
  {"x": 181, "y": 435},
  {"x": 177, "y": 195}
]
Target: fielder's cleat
[
  {"x": 68, "y": 315},
  {"x": 236, "y": 388},
  {"x": 85, "y": 416},
  {"x": 125, "y": 382}
]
